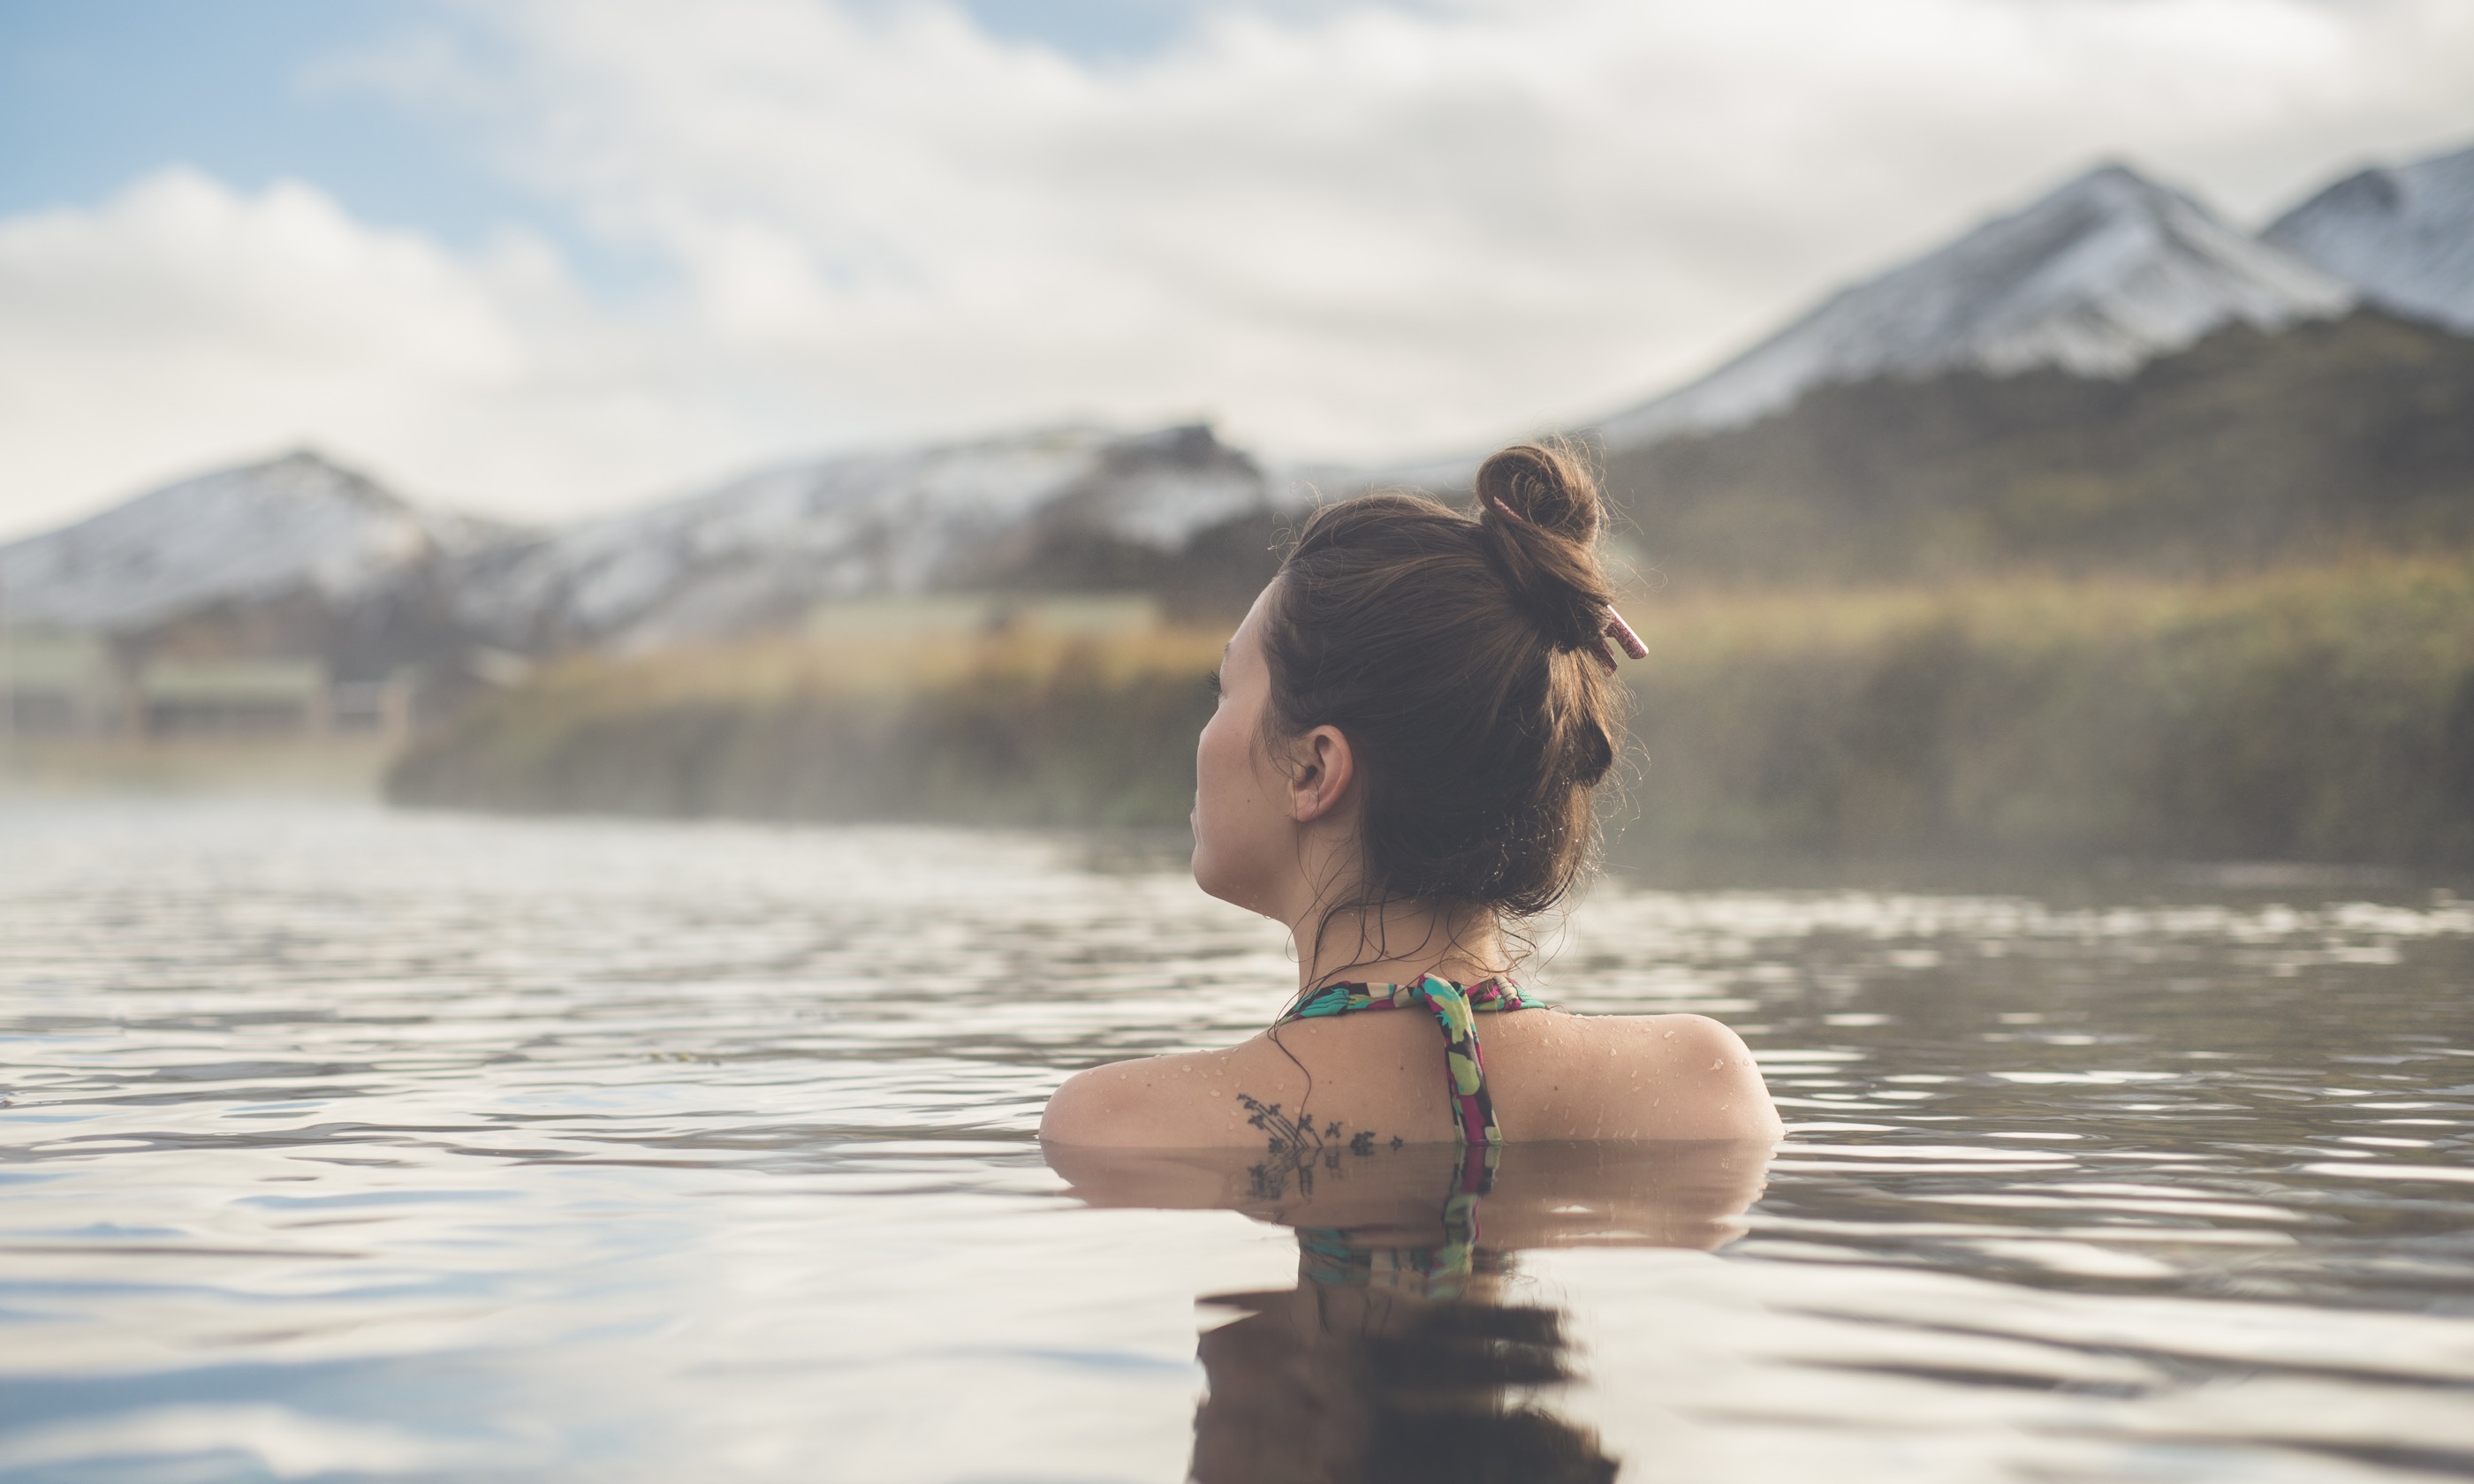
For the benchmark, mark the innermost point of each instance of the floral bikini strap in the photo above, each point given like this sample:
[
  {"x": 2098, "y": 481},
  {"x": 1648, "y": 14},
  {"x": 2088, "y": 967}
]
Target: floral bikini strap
[{"x": 1456, "y": 1010}]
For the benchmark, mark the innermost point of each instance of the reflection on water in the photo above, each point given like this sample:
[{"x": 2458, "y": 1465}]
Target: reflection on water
[
  {"x": 344, "y": 1145},
  {"x": 1397, "y": 1353},
  {"x": 1379, "y": 1385}
]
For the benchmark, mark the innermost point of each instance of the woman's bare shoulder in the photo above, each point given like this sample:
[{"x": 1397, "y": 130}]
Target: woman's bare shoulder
[
  {"x": 1188, "y": 1100},
  {"x": 1670, "y": 1076},
  {"x": 1568, "y": 1077}
]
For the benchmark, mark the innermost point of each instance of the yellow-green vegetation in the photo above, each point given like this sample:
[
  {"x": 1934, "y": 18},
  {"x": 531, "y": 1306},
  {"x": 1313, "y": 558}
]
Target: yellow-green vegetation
[
  {"x": 1023, "y": 728},
  {"x": 2324, "y": 714}
]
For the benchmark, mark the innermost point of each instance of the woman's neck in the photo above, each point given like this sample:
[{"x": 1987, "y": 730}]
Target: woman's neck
[{"x": 1398, "y": 944}]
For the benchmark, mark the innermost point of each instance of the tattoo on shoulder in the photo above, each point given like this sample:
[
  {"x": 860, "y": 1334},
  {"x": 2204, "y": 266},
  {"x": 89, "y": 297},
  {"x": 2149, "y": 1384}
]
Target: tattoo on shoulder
[{"x": 1295, "y": 1148}]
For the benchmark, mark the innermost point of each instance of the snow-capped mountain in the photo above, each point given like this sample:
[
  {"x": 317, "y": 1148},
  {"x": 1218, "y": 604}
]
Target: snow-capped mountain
[
  {"x": 755, "y": 551},
  {"x": 764, "y": 548},
  {"x": 291, "y": 526},
  {"x": 2404, "y": 237},
  {"x": 2096, "y": 279}
]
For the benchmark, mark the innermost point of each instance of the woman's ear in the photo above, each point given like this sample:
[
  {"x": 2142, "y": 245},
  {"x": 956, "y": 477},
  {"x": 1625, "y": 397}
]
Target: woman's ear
[{"x": 1325, "y": 768}]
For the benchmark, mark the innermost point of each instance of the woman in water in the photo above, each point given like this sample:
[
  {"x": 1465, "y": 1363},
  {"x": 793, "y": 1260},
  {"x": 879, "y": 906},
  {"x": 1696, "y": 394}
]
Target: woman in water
[{"x": 1413, "y": 720}]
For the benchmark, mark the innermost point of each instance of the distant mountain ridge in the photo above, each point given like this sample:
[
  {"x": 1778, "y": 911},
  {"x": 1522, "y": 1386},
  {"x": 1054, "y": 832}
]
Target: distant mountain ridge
[
  {"x": 764, "y": 548},
  {"x": 296, "y": 525},
  {"x": 2403, "y": 235},
  {"x": 1968, "y": 364},
  {"x": 301, "y": 554},
  {"x": 2096, "y": 279}
]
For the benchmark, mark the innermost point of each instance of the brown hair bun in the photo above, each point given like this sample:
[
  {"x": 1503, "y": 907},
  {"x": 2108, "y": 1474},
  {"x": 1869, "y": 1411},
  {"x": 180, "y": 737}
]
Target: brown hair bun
[
  {"x": 1541, "y": 515},
  {"x": 1459, "y": 656}
]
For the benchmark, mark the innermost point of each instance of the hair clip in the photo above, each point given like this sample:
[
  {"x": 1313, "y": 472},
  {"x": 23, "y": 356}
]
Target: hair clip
[{"x": 1621, "y": 633}]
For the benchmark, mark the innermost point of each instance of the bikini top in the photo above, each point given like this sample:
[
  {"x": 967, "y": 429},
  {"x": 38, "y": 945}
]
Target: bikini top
[{"x": 1456, "y": 1010}]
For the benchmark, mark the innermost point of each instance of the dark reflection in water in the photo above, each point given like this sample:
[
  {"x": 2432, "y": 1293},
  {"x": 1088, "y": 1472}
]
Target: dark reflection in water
[
  {"x": 1400, "y": 1353},
  {"x": 1371, "y": 1384}
]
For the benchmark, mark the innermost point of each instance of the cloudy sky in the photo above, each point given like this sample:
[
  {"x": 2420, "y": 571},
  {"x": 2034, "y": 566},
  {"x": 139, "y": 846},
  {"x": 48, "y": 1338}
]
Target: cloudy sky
[{"x": 542, "y": 257}]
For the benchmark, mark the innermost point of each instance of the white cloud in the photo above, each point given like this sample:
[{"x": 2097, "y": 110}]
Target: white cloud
[
  {"x": 1364, "y": 231},
  {"x": 184, "y": 322}
]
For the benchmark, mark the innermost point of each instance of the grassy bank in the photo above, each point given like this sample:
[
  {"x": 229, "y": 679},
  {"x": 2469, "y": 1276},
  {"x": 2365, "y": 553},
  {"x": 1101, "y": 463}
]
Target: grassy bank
[
  {"x": 2324, "y": 715},
  {"x": 1002, "y": 731}
]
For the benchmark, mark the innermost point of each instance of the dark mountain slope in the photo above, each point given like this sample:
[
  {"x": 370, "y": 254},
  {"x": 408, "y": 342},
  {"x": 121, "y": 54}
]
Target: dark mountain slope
[{"x": 2246, "y": 450}]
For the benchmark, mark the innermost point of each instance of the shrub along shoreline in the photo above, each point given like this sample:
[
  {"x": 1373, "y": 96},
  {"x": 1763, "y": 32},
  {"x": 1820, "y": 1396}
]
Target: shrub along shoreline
[
  {"x": 1000, "y": 731},
  {"x": 2324, "y": 714}
]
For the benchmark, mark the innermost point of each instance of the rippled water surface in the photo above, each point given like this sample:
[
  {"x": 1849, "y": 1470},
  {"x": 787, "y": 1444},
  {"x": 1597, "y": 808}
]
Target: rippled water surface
[{"x": 348, "y": 1145}]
